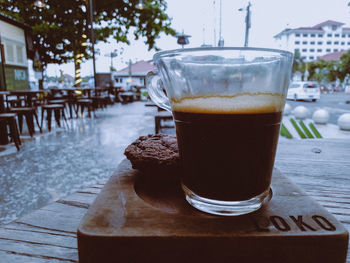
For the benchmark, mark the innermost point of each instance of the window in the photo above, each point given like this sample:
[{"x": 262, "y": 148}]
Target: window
[
  {"x": 311, "y": 57},
  {"x": 319, "y": 43},
  {"x": 319, "y": 50},
  {"x": 312, "y": 50},
  {"x": 320, "y": 35},
  {"x": 312, "y": 35},
  {"x": 343, "y": 35},
  {"x": 342, "y": 43},
  {"x": 348, "y": 35},
  {"x": 329, "y": 35},
  {"x": 348, "y": 43},
  {"x": 297, "y": 42},
  {"x": 304, "y": 35},
  {"x": 10, "y": 57},
  {"x": 297, "y": 35},
  {"x": 335, "y": 50},
  {"x": 334, "y": 27},
  {"x": 336, "y": 35},
  {"x": 304, "y": 42},
  {"x": 303, "y": 57},
  {"x": 336, "y": 42},
  {"x": 329, "y": 42},
  {"x": 304, "y": 50},
  {"x": 19, "y": 52},
  {"x": 312, "y": 43},
  {"x": 328, "y": 50}
]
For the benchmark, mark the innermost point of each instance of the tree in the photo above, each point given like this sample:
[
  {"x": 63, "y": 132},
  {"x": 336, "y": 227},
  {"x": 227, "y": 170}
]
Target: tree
[
  {"x": 297, "y": 62},
  {"x": 60, "y": 28},
  {"x": 344, "y": 65},
  {"x": 327, "y": 70}
]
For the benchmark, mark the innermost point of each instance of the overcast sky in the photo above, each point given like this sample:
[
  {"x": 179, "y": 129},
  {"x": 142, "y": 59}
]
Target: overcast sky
[{"x": 269, "y": 17}]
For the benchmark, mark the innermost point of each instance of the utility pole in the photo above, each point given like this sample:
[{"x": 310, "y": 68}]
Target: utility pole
[
  {"x": 214, "y": 24},
  {"x": 92, "y": 39},
  {"x": 247, "y": 23},
  {"x": 221, "y": 40}
]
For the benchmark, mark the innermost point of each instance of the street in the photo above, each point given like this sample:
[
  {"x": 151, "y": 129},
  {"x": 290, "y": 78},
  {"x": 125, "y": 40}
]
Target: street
[{"x": 335, "y": 103}]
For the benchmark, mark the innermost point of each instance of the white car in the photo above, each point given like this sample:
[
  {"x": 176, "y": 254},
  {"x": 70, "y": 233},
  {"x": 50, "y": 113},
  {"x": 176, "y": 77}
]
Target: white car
[{"x": 305, "y": 90}]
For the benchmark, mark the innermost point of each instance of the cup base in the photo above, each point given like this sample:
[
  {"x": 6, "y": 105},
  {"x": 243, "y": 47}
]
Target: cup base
[{"x": 226, "y": 208}]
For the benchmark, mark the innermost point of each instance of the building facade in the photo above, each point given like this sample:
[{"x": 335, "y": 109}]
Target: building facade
[
  {"x": 316, "y": 41},
  {"x": 14, "y": 41},
  {"x": 133, "y": 76}
]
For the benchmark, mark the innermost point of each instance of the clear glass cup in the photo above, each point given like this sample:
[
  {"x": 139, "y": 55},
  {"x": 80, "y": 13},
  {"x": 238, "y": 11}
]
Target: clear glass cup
[{"x": 227, "y": 105}]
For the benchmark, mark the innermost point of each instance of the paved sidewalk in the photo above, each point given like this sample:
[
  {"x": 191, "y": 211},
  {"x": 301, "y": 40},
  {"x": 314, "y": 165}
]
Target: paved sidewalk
[{"x": 78, "y": 155}]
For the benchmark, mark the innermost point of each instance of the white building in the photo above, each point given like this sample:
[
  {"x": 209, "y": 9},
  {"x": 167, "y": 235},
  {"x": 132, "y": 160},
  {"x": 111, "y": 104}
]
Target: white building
[
  {"x": 133, "y": 76},
  {"x": 316, "y": 41}
]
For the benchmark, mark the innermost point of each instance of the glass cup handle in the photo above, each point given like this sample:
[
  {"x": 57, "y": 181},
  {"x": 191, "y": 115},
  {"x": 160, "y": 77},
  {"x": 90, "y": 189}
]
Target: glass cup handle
[{"x": 156, "y": 90}]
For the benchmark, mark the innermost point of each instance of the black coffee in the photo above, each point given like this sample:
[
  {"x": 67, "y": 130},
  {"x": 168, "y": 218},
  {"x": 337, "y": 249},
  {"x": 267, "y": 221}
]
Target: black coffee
[{"x": 228, "y": 152}]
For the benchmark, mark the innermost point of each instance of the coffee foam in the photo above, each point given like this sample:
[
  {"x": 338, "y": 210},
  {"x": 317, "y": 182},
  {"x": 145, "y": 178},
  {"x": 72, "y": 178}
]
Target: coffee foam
[{"x": 245, "y": 103}]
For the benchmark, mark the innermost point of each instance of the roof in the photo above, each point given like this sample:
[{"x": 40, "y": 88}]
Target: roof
[
  {"x": 67, "y": 76},
  {"x": 328, "y": 23},
  {"x": 334, "y": 56},
  {"x": 316, "y": 28},
  {"x": 139, "y": 68},
  {"x": 14, "y": 22}
]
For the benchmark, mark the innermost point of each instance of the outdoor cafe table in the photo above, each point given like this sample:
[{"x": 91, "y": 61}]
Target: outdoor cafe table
[
  {"x": 27, "y": 94},
  {"x": 320, "y": 167}
]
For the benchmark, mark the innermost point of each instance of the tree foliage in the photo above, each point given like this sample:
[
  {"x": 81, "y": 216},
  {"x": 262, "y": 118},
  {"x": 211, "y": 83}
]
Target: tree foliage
[
  {"x": 61, "y": 28},
  {"x": 344, "y": 65},
  {"x": 330, "y": 71},
  {"x": 298, "y": 63}
]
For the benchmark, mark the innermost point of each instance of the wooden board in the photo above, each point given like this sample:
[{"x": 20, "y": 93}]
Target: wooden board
[{"x": 155, "y": 224}]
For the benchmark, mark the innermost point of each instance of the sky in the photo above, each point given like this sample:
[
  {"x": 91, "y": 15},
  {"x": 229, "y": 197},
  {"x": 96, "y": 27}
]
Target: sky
[{"x": 200, "y": 18}]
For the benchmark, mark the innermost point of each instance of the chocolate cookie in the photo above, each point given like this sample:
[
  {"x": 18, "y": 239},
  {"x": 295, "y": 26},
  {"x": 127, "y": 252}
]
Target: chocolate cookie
[{"x": 154, "y": 154}]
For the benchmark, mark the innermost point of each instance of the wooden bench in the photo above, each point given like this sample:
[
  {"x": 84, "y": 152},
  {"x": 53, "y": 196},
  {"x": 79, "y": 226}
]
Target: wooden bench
[
  {"x": 320, "y": 167},
  {"x": 154, "y": 105}
]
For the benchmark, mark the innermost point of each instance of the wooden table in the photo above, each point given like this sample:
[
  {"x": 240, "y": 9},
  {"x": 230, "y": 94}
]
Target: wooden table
[
  {"x": 126, "y": 97},
  {"x": 320, "y": 167},
  {"x": 27, "y": 94}
]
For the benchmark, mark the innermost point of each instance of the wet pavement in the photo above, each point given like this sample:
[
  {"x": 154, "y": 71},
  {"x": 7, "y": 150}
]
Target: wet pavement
[
  {"x": 335, "y": 103},
  {"x": 81, "y": 153}
]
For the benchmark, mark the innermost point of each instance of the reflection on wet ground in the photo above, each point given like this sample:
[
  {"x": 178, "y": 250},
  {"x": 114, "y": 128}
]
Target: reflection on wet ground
[{"x": 81, "y": 153}]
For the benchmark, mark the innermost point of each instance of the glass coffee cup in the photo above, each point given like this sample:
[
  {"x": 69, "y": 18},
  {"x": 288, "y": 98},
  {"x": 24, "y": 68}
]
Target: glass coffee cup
[{"x": 227, "y": 106}]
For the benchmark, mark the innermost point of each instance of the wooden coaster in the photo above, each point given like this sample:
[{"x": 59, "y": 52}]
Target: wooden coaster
[{"x": 133, "y": 220}]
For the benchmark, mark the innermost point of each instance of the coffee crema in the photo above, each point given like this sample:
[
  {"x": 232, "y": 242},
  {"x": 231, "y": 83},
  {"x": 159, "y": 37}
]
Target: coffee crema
[
  {"x": 244, "y": 103},
  {"x": 227, "y": 145}
]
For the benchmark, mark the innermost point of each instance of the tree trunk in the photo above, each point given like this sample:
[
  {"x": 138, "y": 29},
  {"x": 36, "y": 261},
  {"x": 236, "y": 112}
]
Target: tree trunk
[{"x": 41, "y": 81}]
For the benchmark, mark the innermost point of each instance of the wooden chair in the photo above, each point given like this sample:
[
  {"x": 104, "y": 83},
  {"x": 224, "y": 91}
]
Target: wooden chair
[
  {"x": 9, "y": 120},
  {"x": 85, "y": 103},
  {"x": 58, "y": 110},
  {"x": 30, "y": 114},
  {"x": 162, "y": 116}
]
